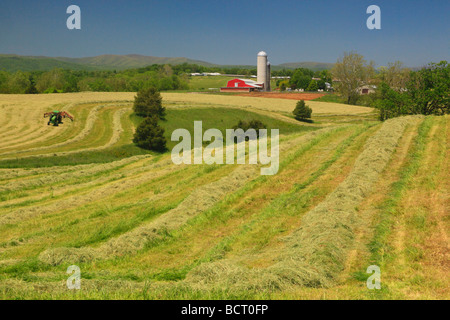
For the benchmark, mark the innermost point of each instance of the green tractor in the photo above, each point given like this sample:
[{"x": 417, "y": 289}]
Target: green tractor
[{"x": 55, "y": 117}]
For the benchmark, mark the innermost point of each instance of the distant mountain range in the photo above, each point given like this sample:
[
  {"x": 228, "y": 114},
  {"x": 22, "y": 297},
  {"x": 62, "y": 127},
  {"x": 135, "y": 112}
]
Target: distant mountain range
[
  {"x": 13, "y": 63},
  {"x": 316, "y": 66}
]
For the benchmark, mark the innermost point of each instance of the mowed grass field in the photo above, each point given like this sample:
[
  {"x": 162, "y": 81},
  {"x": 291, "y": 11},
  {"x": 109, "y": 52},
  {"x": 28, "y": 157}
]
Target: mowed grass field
[{"x": 351, "y": 192}]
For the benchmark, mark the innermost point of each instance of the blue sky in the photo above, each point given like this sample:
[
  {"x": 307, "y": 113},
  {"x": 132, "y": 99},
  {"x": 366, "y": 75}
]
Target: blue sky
[{"x": 230, "y": 32}]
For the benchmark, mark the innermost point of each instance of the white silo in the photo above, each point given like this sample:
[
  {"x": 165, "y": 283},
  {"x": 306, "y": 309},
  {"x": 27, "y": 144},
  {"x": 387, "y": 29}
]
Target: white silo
[{"x": 261, "y": 69}]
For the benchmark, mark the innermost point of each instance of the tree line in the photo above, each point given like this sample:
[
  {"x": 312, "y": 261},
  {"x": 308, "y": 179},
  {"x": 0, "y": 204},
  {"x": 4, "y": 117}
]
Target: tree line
[
  {"x": 394, "y": 90},
  {"x": 162, "y": 77}
]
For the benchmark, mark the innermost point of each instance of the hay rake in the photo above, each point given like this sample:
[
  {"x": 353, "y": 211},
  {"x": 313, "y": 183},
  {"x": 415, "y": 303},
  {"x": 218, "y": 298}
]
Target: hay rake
[{"x": 56, "y": 117}]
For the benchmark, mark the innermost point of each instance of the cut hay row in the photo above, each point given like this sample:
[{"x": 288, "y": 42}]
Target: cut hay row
[
  {"x": 5, "y": 117},
  {"x": 62, "y": 185},
  {"x": 222, "y": 226},
  {"x": 82, "y": 173},
  {"x": 65, "y": 176},
  {"x": 37, "y": 130},
  {"x": 57, "y": 289},
  {"x": 131, "y": 242},
  {"x": 116, "y": 132},
  {"x": 19, "y": 175},
  {"x": 315, "y": 253},
  {"x": 56, "y": 205},
  {"x": 56, "y": 192},
  {"x": 92, "y": 118},
  {"x": 38, "y": 127},
  {"x": 135, "y": 240},
  {"x": 19, "y": 119},
  {"x": 257, "y": 241}
]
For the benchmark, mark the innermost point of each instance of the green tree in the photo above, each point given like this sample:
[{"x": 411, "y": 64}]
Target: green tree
[
  {"x": 427, "y": 92},
  {"x": 18, "y": 82},
  {"x": 54, "y": 79},
  {"x": 31, "y": 89},
  {"x": 4, "y": 79},
  {"x": 149, "y": 135},
  {"x": 325, "y": 75},
  {"x": 312, "y": 86},
  {"x": 252, "y": 124},
  {"x": 301, "y": 78},
  {"x": 302, "y": 112},
  {"x": 429, "y": 89},
  {"x": 352, "y": 72},
  {"x": 391, "y": 102},
  {"x": 394, "y": 75},
  {"x": 321, "y": 84},
  {"x": 71, "y": 83},
  {"x": 148, "y": 102},
  {"x": 303, "y": 82},
  {"x": 283, "y": 85}
]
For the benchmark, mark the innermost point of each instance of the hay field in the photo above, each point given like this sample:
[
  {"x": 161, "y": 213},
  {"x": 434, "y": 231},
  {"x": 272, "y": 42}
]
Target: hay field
[
  {"x": 350, "y": 192},
  {"x": 257, "y": 103}
]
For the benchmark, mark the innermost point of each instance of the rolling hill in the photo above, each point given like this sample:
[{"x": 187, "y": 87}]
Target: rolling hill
[
  {"x": 316, "y": 66},
  {"x": 13, "y": 63},
  {"x": 351, "y": 193},
  {"x": 130, "y": 61}
]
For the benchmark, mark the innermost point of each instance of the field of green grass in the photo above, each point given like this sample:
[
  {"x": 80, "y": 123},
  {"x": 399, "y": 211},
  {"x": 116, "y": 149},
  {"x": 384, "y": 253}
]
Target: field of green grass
[{"x": 350, "y": 192}]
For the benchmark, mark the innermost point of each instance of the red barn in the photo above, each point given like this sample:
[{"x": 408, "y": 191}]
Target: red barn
[{"x": 241, "y": 85}]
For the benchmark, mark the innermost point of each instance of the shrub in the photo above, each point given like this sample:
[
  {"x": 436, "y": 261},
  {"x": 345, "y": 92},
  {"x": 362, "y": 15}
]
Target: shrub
[
  {"x": 149, "y": 135},
  {"x": 312, "y": 86},
  {"x": 302, "y": 111},
  {"x": 51, "y": 90},
  {"x": 253, "y": 124},
  {"x": 148, "y": 102}
]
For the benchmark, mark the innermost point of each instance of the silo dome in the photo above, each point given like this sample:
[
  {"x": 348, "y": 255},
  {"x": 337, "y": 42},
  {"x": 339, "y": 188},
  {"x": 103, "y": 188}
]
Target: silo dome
[{"x": 262, "y": 54}]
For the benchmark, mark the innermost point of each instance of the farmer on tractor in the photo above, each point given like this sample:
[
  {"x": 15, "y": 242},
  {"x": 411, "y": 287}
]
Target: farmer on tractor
[{"x": 56, "y": 117}]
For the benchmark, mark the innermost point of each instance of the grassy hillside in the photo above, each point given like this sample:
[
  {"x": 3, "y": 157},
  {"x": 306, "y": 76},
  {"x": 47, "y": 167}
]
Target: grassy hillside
[
  {"x": 219, "y": 118},
  {"x": 350, "y": 192},
  {"x": 315, "y": 66},
  {"x": 13, "y": 63},
  {"x": 121, "y": 62}
]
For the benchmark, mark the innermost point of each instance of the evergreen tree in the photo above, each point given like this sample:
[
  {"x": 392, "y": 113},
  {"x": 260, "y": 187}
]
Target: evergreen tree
[
  {"x": 302, "y": 112},
  {"x": 148, "y": 102},
  {"x": 149, "y": 135},
  {"x": 312, "y": 86},
  {"x": 31, "y": 89}
]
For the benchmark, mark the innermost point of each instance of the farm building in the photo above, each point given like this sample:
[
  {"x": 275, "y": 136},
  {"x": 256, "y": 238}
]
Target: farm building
[
  {"x": 367, "y": 89},
  {"x": 241, "y": 85},
  {"x": 245, "y": 85}
]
